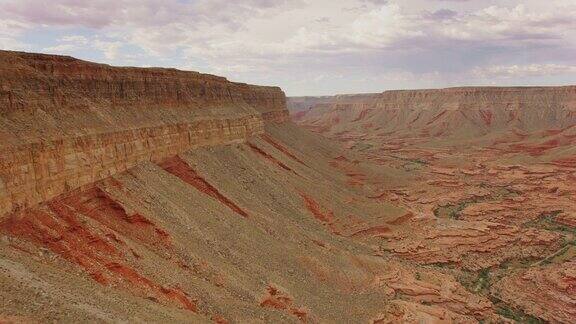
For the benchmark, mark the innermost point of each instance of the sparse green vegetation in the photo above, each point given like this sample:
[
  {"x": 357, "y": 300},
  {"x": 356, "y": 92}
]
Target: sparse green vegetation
[
  {"x": 548, "y": 221},
  {"x": 412, "y": 164},
  {"x": 483, "y": 282},
  {"x": 448, "y": 265},
  {"x": 453, "y": 211},
  {"x": 567, "y": 252},
  {"x": 478, "y": 283},
  {"x": 517, "y": 263},
  {"x": 518, "y": 315}
]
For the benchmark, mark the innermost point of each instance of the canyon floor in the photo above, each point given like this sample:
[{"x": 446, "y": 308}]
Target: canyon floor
[{"x": 496, "y": 212}]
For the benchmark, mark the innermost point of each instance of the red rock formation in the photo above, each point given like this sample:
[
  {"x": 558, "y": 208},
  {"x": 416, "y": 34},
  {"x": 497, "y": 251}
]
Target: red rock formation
[
  {"x": 67, "y": 123},
  {"x": 60, "y": 230},
  {"x": 444, "y": 111},
  {"x": 279, "y": 300},
  {"x": 547, "y": 292},
  {"x": 269, "y": 157},
  {"x": 182, "y": 170}
]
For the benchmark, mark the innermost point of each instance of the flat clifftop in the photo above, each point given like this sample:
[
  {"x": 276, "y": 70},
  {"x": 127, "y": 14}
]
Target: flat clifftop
[
  {"x": 298, "y": 102},
  {"x": 66, "y": 123},
  {"x": 495, "y": 93}
]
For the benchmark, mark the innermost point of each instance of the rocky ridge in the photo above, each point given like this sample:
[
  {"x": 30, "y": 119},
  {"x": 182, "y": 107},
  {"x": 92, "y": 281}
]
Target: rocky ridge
[
  {"x": 456, "y": 112},
  {"x": 66, "y": 123}
]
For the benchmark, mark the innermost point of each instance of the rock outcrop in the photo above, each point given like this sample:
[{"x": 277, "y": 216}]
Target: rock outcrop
[
  {"x": 66, "y": 123},
  {"x": 460, "y": 112},
  {"x": 488, "y": 183}
]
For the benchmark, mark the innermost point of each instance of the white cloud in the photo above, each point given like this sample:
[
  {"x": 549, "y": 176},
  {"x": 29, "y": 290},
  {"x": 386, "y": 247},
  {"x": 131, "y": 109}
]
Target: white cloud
[
  {"x": 516, "y": 23},
  {"x": 10, "y": 31},
  {"x": 383, "y": 26},
  {"x": 60, "y": 49},
  {"x": 108, "y": 48},
  {"x": 514, "y": 71},
  {"x": 67, "y": 45},
  {"x": 75, "y": 39},
  {"x": 282, "y": 40}
]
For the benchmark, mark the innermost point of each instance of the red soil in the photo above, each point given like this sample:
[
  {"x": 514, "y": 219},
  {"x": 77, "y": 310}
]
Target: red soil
[
  {"x": 64, "y": 235},
  {"x": 486, "y": 116},
  {"x": 281, "y": 301},
  {"x": 436, "y": 117},
  {"x": 59, "y": 230},
  {"x": 316, "y": 210},
  {"x": 219, "y": 319},
  {"x": 297, "y": 116},
  {"x": 535, "y": 150},
  {"x": 319, "y": 243},
  {"x": 355, "y": 178},
  {"x": 519, "y": 134},
  {"x": 553, "y": 132},
  {"x": 375, "y": 231},
  {"x": 362, "y": 115},
  {"x": 569, "y": 162},
  {"x": 269, "y": 157},
  {"x": 326, "y": 218},
  {"x": 182, "y": 170},
  {"x": 402, "y": 219},
  {"x": 380, "y": 196},
  {"x": 281, "y": 148},
  {"x": 98, "y": 205}
]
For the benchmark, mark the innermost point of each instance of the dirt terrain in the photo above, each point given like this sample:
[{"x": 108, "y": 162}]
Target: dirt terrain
[
  {"x": 492, "y": 196},
  {"x": 199, "y": 201}
]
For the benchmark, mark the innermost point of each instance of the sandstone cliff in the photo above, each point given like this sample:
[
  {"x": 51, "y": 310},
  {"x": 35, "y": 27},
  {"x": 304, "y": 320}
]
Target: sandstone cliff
[
  {"x": 65, "y": 123},
  {"x": 468, "y": 112}
]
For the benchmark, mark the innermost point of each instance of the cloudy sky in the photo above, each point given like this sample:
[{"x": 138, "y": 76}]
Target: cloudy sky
[{"x": 312, "y": 47}]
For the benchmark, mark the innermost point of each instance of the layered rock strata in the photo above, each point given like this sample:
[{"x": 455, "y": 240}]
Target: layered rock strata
[
  {"x": 469, "y": 111},
  {"x": 66, "y": 123}
]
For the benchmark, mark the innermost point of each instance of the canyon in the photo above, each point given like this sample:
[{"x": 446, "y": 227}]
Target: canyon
[
  {"x": 494, "y": 176},
  {"x": 159, "y": 195}
]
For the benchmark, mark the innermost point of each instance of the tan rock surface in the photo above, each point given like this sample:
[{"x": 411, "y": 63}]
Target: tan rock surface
[{"x": 66, "y": 123}]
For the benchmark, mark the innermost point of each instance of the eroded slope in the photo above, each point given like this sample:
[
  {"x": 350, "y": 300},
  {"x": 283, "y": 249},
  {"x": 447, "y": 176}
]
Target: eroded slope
[
  {"x": 226, "y": 233},
  {"x": 492, "y": 186}
]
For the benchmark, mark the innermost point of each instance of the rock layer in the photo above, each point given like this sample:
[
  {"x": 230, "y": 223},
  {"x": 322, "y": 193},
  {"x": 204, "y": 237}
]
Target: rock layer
[
  {"x": 66, "y": 123},
  {"x": 461, "y": 112},
  {"x": 488, "y": 183}
]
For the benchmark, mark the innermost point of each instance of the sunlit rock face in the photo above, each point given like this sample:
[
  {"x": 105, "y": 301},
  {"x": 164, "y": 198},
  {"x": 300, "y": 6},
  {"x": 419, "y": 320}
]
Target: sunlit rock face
[{"x": 67, "y": 123}]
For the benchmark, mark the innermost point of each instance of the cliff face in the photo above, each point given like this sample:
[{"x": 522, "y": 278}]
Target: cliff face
[
  {"x": 65, "y": 123},
  {"x": 455, "y": 111},
  {"x": 52, "y": 81}
]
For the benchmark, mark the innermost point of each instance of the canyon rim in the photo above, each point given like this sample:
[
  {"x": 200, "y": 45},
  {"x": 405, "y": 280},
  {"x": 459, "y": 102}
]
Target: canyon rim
[{"x": 164, "y": 195}]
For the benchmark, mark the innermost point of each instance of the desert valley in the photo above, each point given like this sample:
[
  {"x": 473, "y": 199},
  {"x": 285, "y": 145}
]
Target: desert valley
[{"x": 159, "y": 195}]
